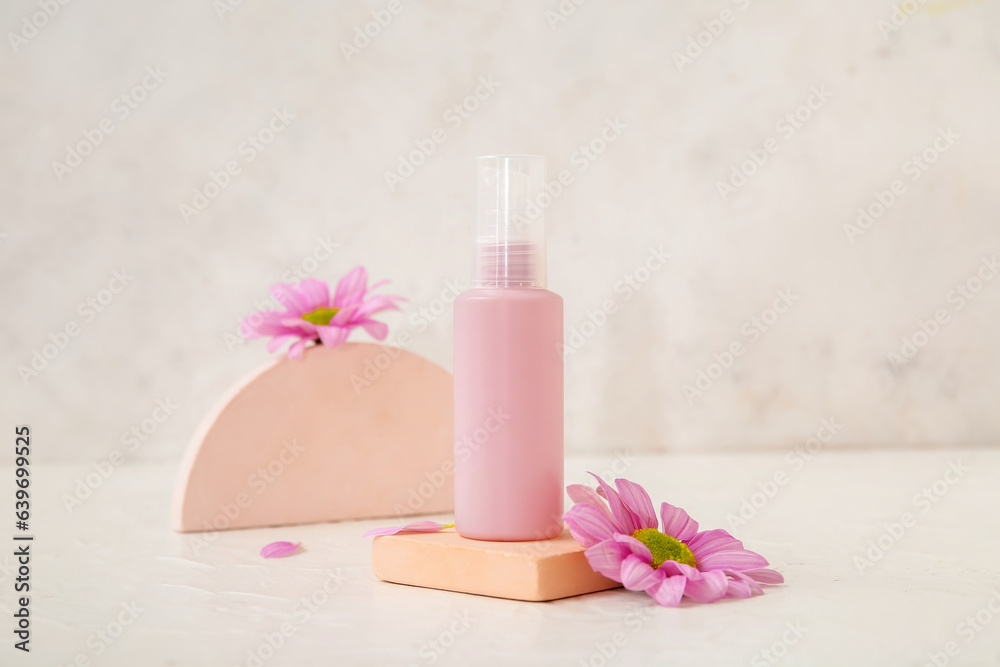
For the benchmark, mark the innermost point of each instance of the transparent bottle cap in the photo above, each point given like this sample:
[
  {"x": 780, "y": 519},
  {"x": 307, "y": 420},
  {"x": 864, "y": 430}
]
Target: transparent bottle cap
[{"x": 510, "y": 232}]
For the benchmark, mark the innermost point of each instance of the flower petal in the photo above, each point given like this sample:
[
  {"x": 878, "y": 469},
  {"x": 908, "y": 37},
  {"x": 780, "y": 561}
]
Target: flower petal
[
  {"x": 635, "y": 547},
  {"x": 415, "y": 527},
  {"x": 375, "y": 286},
  {"x": 708, "y": 588},
  {"x": 751, "y": 584},
  {"x": 677, "y": 523},
  {"x": 582, "y": 494},
  {"x": 279, "y": 341},
  {"x": 625, "y": 520},
  {"x": 316, "y": 292},
  {"x": 606, "y": 558},
  {"x": 668, "y": 592},
  {"x": 711, "y": 541},
  {"x": 740, "y": 559},
  {"x": 295, "y": 351},
  {"x": 279, "y": 549},
  {"x": 344, "y": 317},
  {"x": 672, "y": 567},
  {"x": 377, "y": 330},
  {"x": 288, "y": 296},
  {"x": 332, "y": 336},
  {"x": 263, "y": 323},
  {"x": 299, "y": 325},
  {"x": 765, "y": 576},
  {"x": 376, "y": 304},
  {"x": 738, "y": 589},
  {"x": 589, "y": 525},
  {"x": 351, "y": 288},
  {"x": 637, "y": 500},
  {"x": 637, "y": 574}
]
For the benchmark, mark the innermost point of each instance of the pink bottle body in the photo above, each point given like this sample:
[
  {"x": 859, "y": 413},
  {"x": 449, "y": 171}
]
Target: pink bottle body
[{"x": 508, "y": 414}]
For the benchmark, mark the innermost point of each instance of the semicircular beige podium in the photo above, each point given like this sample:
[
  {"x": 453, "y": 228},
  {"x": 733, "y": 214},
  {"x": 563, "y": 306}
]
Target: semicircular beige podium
[{"x": 358, "y": 431}]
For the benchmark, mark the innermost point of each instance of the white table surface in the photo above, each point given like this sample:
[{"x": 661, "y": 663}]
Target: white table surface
[{"x": 217, "y": 604}]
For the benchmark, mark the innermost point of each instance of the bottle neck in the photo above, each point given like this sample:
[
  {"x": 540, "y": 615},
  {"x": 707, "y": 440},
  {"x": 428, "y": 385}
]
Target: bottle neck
[{"x": 509, "y": 265}]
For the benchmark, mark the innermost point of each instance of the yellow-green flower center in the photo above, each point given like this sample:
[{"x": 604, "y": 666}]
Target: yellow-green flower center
[
  {"x": 664, "y": 548},
  {"x": 321, "y": 316}
]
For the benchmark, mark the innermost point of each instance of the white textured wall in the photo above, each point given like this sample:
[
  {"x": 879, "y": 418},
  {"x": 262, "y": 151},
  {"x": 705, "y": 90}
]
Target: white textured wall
[{"x": 680, "y": 131}]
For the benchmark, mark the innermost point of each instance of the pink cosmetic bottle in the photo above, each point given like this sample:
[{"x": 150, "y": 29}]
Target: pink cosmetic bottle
[{"x": 509, "y": 366}]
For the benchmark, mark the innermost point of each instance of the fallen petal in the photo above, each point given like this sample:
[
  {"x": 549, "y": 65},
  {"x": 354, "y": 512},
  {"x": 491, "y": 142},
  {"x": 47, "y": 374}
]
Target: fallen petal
[
  {"x": 415, "y": 527},
  {"x": 280, "y": 549}
]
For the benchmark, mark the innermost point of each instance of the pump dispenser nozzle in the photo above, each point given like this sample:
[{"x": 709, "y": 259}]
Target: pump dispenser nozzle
[{"x": 510, "y": 235}]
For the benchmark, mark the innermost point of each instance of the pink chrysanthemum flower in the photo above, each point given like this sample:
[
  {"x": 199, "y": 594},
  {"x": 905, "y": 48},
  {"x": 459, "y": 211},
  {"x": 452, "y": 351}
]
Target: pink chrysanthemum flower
[
  {"x": 312, "y": 314},
  {"x": 625, "y": 543}
]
